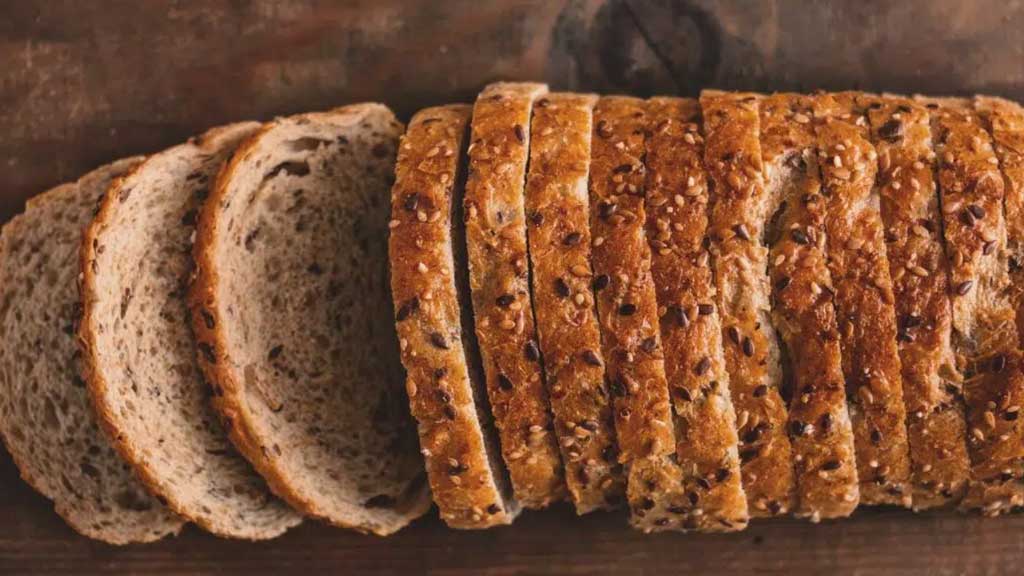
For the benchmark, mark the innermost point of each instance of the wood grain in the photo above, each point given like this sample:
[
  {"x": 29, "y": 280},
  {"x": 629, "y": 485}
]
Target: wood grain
[{"x": 82, "y": 83}]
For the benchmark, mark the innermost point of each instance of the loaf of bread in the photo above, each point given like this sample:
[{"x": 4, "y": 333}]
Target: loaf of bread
[{"x": 287, "y": 307}]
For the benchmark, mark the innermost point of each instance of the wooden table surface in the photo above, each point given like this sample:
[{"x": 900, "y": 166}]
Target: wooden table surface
[{"x": 85, "y": 82}]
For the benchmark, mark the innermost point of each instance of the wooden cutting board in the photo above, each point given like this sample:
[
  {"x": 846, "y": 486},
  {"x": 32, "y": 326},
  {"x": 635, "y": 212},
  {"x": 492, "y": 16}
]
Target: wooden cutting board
[{"x": 82, "y": 83}]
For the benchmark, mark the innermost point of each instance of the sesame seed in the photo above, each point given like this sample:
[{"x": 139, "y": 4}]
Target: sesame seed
[
  {"x": 562, "y": 288},
  {"x": 507, "y": 324},
  {"x": 422, "y": 268},
  {"x": 702, "y": 367},
  {"x": 438, "y": 340},
  {"x": 572, "y": 239},
  {"x": 520, "y": 133},
  {"x": 627, "y": 309},
  {"x": 591, "y": 357},
  {"x": 964, "y": 287},
  {"x": 580, "y": 270},
  {"x": 748, "y": 347},
  {"x": 531, "y": 351}
]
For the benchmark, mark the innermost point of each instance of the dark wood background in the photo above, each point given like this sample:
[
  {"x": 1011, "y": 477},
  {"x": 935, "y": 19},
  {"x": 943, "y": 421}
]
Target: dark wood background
[{"x": 83, "y": 82}]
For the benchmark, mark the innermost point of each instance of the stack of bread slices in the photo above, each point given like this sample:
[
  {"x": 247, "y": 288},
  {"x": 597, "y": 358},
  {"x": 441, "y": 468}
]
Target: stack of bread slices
[{"x": 701, "y": 310}]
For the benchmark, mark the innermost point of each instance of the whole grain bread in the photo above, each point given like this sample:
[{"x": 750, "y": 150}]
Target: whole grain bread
[
  {"x": 138, "y": 350},
  {"x": 627, "y": 305},
  {"x": 291, "y": 313},
  {"x": 558, "y": 216},
  {"x": 805, "y": 316},
  {"x": 932, "y": 384},
  {"x": 985, "y": 337},
  {"x": 500, "y": 286},
  {"x": 863, "y": 299},
  {"x": 706, "y": 492},
  {"x": 739, "y": 212},
  {"x": 429, "y": 284},
  {"x": 46, "y": 417}
]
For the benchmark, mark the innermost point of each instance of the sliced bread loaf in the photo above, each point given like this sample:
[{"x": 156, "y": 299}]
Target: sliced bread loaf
[
  {"x": 138, "y": 350},
  {"x": 804, "y": 313},
  {"x": 291, "y": 313},
  {"x": 429, "y": 284},
  {"x": 706, "y": 494},
  {"x": 558, "y": 216},
  {"x": 985, "y": 337},
  {"x": 499, "y": 281},
  {"x": 932, "y": 384},
  {"x": 740, "y": 210},
  {"x": 46, "y": 417}
]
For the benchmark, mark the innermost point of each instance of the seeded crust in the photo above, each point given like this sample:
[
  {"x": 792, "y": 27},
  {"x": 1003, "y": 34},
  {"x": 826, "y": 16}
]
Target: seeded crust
[
  {"x": 700, "y": 487},
  {"x": 805, "y": 316},
  {"x": 985, "y": 335},
  {"x": 863, "y": 299},
  {"x": 135, "y": 266},
  {"x": 627, "y": 305},
  {"x": 46, "y": 417},
  {"x": 1004, "y": 121},
  {"x": 499, "y": 279},
  {"x": 558, "y": 213},
  {"x": 444, "y": 379},
  {"x": 290, "y": 311},
  {"x": 740, "y": 261},
  {"x": 932, "y": 385}
]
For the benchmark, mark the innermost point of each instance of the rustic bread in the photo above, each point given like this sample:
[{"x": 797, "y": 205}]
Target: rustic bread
[
  {"x": 804, "y": 313},
  {"x": 290, "y": 310},
  {"x": 932, "y": 385},
  {"x": 740, "y": 210},
  {"x": 706, "y": 493},
  {"x": 500, "y": 287},
  {"x": 558, "y": 213},
  {"x": 863, "y": 299},
  {"x": 428, "y": 283},
  {"x": 624, "y": 289},
  {"x": 46, "y": 417},
  {"x": 138, "y": 353},
  {"x": 985, "y": 335}
]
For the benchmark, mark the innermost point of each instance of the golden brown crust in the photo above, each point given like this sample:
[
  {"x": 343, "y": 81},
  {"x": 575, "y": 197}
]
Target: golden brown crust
[
  {"x": 427, "y": 306},
  {"x": 985, "y": 335},
  {"x": 557, "y": 209},
  {"x": 739, "y": 211},
  {"x": 703, "y": 491},
  {"x": 932, "y": 385},
  {"x": 502, "y": 306},
  {"x": 863, "y": 299},
  {"x": 819, "y": 422},
  {"x": 626, "y": 302}
]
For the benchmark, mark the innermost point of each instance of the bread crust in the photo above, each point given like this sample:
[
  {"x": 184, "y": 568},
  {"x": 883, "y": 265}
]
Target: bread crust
[
  {"x": 209, "y": 143},
  {"x": 557, "y": 206},
  {"x": 932, "y": 384},
  {"x": 864, "y": 299},
  {"x": 985, "y": 335},
  {"x": 804, "y": 311},
  {"x": 703, "y": 491},
  {"x": 732, "y": 158},
  {"x": 499, "y": 278},
  {"x": 441, "y": 377},
  {"x": 208, "y": 326},
  {"x": 624, "y": 289}
]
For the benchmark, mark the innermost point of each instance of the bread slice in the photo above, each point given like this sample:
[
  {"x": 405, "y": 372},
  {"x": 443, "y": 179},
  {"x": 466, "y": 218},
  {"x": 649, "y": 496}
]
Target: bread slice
[
  {"x": 138, "y": 351},
  {"x": 804, "y": 313},
  {"x": 627, "y": 305},
  {"x": 932, "y": 384},
  {"x": 739, "y": 212},
  {"x": 291, "y": 314},
  {"x": 500, "y": 287},
  {"x": 46, "y": 418},
  {"x": 706, "y": 494},
  {"x": 863, "y": 299},
  {"x": 430, "y": 288},
  {"x": 985, "y": 335},
  {"x": 558, "y": 216},
  {"x": 1004, "y": 121}
]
